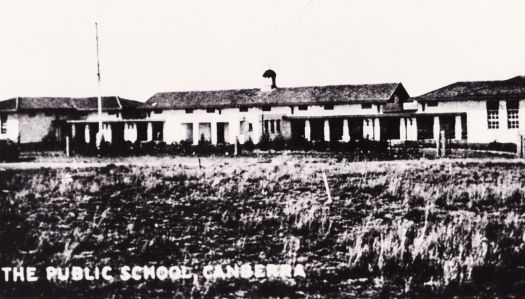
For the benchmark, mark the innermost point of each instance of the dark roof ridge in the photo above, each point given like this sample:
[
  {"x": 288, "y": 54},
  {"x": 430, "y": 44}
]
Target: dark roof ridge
[
  {"x": 283, "y": 88},
  {"x": 208, "y": 90}
]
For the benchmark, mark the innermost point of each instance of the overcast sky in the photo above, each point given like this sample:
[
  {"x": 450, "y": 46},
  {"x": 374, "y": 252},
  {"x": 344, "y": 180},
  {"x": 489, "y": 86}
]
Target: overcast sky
[{"x": 47, "y": 48}]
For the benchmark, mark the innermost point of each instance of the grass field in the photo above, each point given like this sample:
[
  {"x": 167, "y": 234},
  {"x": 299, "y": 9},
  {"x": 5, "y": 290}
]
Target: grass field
[{"x": 449, "y": 227}]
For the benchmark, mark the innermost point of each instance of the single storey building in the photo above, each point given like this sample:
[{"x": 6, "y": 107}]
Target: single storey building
[
  {"x": 474, "y": 112},
  {"x": 316, "y": 113}
]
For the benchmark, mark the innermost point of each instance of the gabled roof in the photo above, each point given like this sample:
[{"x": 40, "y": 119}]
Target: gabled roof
[
  {"x": 8, "y": 105},
  {"x": 477, "y": 90},
  {"x": 110, "y": 103},
  {"x": 130, "y": 104},
  {"x": 335, "y": 94},
  {"x": 91, "y": 103}
]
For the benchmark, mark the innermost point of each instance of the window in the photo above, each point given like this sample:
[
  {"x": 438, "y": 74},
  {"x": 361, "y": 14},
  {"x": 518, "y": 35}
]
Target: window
[
  {"x": 512, "y": 114},
  {"x": 210, "y": 110},
  {"x": 366, "y": 106},
  {"x": 243, "y": 109},
  {"x": 3, "y": 124},
  {"x": 250, "y": 127},
  {"x": 378, "y": 108},
  {"x": 266, "y": 108},
  {"x": 432, "y": 104},
  {"x": 303, "y": 107},
  {"x": 157, "y": 111},
  {"x": 272, "y": 126},
  {"x": 329, "y": 107},
  {"x": 189, "y": 131},
  {"x": 493, "y": 114},
  {"x": 423, "y": 107},
  {"x": 188, "y": 110}
]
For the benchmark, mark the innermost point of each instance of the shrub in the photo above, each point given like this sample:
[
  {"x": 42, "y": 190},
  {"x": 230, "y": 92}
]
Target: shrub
[
  {"x": 405, "y": 150},
  {"x": 491, "y": 146},
  {"x": 9, "y": 151},
  {"x": 278, "y": 143},
  {"x": 264, "y": 142},
  {"x": 248, "y": 145},
  {"x": 301, "y": 144},
  {"x": 204, "y": 147},
  {"x": 319, "y": 145}
]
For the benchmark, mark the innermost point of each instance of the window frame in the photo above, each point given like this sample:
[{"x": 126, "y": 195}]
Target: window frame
[
  {"x": 493, "y": 115},
  {"x": 514, "y": 111}
]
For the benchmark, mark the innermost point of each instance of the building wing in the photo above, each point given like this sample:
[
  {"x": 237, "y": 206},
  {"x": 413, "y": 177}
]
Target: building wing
[
  {"x": 312, "y": 95},
  {"x": 477, "y": 90}
]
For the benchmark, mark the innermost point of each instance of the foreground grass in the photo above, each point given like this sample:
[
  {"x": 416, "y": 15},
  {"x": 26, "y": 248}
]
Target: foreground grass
[{"x": 424, "y": 227}]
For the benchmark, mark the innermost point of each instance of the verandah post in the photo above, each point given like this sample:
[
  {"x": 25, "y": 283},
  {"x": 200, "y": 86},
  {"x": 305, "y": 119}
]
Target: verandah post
[
  {"x": 67, "y": 146},
  {"x": 438, "y": 144},
  {"x": 443, "y": 142},
  {"x": 519, "y": 146}
]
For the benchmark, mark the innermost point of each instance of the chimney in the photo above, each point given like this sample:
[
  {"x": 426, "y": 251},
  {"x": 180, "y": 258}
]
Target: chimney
[{"x": 270, "y": 74}]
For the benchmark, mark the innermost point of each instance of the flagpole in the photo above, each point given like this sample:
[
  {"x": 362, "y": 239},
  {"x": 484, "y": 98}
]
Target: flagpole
[{"x": 99, "y": 101}]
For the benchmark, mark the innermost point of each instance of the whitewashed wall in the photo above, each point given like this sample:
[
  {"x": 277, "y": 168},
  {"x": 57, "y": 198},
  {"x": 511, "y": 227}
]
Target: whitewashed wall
[
  {"x": 339, "y": 110},
  {"x": 175, "y": 119},
  {"x": 93, "y": 116},
  {"x": 12, "y": 128},
  {"x": 34, "y": 127}
]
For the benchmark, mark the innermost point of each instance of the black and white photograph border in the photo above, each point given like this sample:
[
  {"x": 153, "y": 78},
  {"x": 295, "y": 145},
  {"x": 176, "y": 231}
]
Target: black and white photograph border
[{"x": 262, "y": 149}]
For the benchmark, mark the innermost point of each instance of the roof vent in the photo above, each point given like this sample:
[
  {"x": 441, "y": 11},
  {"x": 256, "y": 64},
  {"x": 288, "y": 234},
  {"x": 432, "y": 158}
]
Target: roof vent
[{"x": 270, "y": 74}]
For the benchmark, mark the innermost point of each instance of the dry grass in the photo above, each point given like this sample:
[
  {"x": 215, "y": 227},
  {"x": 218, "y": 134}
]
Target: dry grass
[{"x": 440, "y": 227}]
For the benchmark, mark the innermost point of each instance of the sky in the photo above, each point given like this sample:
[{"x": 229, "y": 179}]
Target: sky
[{"x": 47, "y": 48}]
